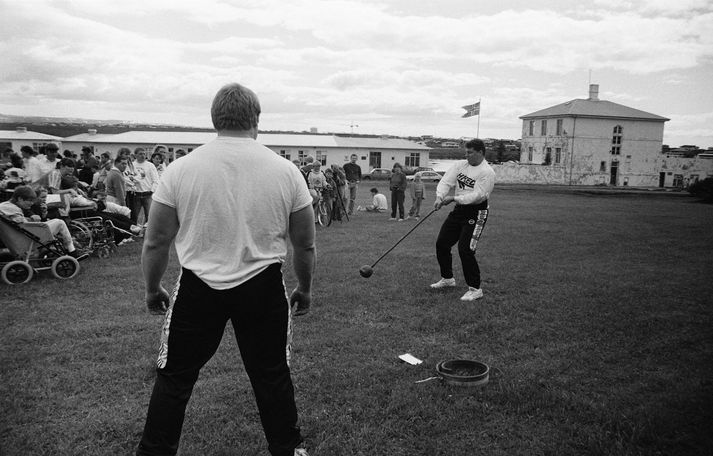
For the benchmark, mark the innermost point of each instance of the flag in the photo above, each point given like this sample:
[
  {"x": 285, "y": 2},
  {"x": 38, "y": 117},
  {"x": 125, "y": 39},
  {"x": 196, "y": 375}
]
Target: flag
[{"x": 472, "y": 110}]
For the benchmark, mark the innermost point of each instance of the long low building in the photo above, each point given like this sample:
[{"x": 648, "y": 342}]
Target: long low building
[
  {"x": 16, "y": 139},
  {"x": 381, "y": 152}
]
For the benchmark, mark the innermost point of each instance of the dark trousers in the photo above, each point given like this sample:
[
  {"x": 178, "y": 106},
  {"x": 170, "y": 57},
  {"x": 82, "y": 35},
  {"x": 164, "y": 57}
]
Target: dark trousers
[
  {"x": 462, "y": 224},
  {"x": 140, "y": 200},
  {"x": 258, "y": 311},
  {"x": 397, "y": 200}
]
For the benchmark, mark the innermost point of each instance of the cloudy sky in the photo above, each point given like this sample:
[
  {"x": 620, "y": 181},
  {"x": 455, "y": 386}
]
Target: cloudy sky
[{"x": 402, "y": 67}]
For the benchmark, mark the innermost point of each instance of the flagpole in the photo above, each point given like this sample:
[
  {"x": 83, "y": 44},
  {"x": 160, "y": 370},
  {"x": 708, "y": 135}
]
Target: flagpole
[{"x": 480, "y": 106}]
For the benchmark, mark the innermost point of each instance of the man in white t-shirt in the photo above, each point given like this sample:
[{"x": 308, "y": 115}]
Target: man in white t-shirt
[
  {"x": 48, "y": 162},
  {"x": 230, "y": 206},
  {"x": 378, "y": 202},
  {"x": 145, "y": 183}
]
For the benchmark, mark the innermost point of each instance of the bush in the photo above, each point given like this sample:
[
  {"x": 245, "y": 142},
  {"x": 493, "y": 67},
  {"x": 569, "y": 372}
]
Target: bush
[{"x": 703, "y": 189}]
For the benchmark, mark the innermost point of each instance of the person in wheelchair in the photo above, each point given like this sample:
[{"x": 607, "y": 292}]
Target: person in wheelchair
[{"x": 22, "y": 199}]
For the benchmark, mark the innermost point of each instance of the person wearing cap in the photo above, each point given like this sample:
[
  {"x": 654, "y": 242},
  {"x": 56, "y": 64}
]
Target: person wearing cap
[{"x": 49, "y": 161}]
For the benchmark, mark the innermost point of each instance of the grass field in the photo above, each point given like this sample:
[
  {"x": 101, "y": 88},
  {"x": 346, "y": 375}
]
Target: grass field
[{"x": 597, "y": 323}]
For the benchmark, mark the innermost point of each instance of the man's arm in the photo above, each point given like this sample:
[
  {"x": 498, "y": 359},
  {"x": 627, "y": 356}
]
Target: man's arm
[
  {"x": 303, "y": 260},
  {"x": 162, "y": 229}
]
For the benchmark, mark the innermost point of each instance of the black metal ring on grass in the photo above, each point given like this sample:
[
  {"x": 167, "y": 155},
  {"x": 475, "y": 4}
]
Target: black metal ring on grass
[{"x": 463, "y": 372}]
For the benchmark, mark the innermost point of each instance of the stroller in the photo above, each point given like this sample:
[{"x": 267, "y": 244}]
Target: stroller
[{"x": 32, "y": 248}]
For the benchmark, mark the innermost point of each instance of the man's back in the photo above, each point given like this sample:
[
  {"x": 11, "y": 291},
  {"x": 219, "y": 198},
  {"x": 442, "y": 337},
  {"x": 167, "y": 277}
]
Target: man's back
[{"x": 233, "y": 198}]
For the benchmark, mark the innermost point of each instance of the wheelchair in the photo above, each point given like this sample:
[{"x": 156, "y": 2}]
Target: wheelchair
[{"x": 32, "y": 248}]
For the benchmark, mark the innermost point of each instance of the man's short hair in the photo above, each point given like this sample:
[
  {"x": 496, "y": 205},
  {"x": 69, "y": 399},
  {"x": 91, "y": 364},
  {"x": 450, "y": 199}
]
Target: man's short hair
[
  {"x": 54, "y": 147},
  {"x": 476, "y": 144},
  {"x": 235, "y": 107},
  {"x": 123, "y": 150},
  {"x": 374, "y": 190},
  {"x": 67, "y": 162},
  {"x": 139, "y": 149},
  {"x": 119, "y": 158},
  {"x": 27, "y": 150},
  {"x": 25, "y": 192}
]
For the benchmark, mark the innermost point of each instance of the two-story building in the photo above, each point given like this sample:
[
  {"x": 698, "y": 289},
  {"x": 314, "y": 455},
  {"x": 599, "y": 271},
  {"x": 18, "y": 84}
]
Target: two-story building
[{"x": 592, "y": 142}]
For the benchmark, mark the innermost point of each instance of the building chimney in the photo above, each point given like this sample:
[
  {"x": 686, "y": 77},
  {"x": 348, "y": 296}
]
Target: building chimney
[
  {"x": 21, "y": 129},
  {"x": 92, "y": 131},
  {"x": 594, "y": 92}
]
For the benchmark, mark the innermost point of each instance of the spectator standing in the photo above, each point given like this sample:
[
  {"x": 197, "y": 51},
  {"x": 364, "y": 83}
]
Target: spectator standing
[
  {"x": 129, "y": 179},
  {"x": 157, "y": 160},
  {"x": 397, "y": 185},
  {"x": 49, "y": 161},
  {"x": 317, "y": 182},
  {"x": 228, "y": 274},
  {"x": 353, "y": 175},
  {"x": 417, "y": 191},
  {"x": 146, "y": 181},
  {"x": 33, "y": 170},
  {"x": 115, "y": 183}
]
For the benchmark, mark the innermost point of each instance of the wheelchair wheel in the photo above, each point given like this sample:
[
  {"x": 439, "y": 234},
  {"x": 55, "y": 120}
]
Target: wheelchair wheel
[
  {"x": 16, "y": 272},
  {"x": 81, "y": 236},
  {"x": 65, "y": 267}
]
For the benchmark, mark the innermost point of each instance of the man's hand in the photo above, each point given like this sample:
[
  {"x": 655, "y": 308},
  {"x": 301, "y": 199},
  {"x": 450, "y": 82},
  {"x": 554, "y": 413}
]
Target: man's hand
[
  {"x": 158, "y": 301},
  {"x": 300, "y": 301},
  {"x": 437, "y": 204},
  {"x": 440, "y": 202}
]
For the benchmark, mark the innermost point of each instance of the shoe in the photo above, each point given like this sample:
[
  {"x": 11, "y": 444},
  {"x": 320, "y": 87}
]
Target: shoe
[
  {"x": 77, "y": 255},
  {"x": 417, "y": 217},
  {"x": 300, "y": 452},
  {"x": 407, "y": 217},
  {"x": 392, "y": 219},
  {"x": 136, "y": 229},
  {"x": 401, "y": 220},
  {"x": 443, "y": 283},
  {"x": 126, "y": 241},
  {"x": 472, "y": 294}
]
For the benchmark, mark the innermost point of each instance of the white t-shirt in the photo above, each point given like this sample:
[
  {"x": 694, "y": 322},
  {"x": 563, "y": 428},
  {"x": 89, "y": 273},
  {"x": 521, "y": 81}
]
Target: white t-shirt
[
  {"x": 233, "y": 198},
  {"x": 473, "y": 184},
  {"x": 146, "y": 176},
  {"x": 379, "y": 201}
]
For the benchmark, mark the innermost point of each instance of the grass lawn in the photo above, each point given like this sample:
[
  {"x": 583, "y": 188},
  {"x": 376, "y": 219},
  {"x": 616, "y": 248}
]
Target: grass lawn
[{"x": 597, "y": 322}]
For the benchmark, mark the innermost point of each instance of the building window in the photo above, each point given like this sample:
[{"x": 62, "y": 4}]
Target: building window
[
  {"x": 603, "y": 167},
  {"x": 301, "y": 155},
  {"x": 558, "y": 155},
  {"x": 543, "y": 128},
  {"x": 559, "y": 127},
  {"x": 532, "y": 127},
  {"x": 616, "y": 140},
  {"x": 36, "y": 145},
  {"x": 529, "y": 154},
  {"x": 284, "y": 154},
  {"x": 548, "y": 156},
  {"x": 413, "y": 160},
  {"x": 321, "y": 158}
]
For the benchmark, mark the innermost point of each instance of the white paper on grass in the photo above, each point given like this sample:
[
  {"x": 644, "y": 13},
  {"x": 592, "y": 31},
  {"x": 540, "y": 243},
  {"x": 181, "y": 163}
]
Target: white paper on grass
[{"x": 409, "y": 358}]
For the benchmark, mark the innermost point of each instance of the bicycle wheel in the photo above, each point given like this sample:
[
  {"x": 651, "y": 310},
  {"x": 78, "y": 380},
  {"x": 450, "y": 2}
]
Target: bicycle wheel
[
  {"x": 323, "y": 213},
  {"x": 81, "y": 236}
]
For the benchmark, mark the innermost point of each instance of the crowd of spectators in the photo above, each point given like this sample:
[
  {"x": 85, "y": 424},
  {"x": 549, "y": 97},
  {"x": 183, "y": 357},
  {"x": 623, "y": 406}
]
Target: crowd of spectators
[{"x": 52, "y": 187}]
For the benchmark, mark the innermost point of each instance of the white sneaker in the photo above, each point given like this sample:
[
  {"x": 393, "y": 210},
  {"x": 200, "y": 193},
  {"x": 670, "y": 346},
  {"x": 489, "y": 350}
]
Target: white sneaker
[
  {"x": 443, "y": 283},
  {"x": 401, "y": 220},
  {"x": 392, "y": 219},
  {"x": 300, "y": 452},
  {"x": 472, "y": 294}
]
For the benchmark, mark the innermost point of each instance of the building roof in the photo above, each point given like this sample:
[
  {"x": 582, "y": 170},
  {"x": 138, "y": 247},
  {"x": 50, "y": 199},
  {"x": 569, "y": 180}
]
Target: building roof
[
  {"x": 594, "y": 109},
  {"x": 287, "y": 140},
  {"x": 15, "y": 135}
]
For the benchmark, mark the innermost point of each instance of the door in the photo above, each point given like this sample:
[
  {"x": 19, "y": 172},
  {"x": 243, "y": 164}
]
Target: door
[
  {"x": 613, "y": 173},
  {"x": 375, "y": 160},
  {"x": 662, "y": 179}
]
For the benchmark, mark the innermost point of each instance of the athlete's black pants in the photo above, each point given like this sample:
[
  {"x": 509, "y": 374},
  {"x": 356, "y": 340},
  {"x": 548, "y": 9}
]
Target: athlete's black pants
[
  {"x": 464, "y": 223},
  {"x": 258, "y": 311}
]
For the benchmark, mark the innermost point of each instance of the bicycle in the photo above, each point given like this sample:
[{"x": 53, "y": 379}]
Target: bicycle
[{"x": 324, "y": 212}]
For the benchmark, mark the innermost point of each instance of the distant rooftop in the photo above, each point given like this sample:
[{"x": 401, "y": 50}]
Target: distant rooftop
[
  {"x": 268, "y": 139},
  {"x": 593, "y": 107},
  {"x": 22, "y": 134}
]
